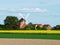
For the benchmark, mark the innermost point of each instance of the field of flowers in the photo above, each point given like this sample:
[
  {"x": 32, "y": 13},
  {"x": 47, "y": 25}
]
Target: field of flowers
[
  {"x": 31, "y": 31},
  {"x": 30, "y": 34}
]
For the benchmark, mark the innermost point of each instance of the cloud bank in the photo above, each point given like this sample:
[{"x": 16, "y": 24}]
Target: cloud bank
[
  {"x": 25, "y": 10},
  {"x": 33, "y": 10}
]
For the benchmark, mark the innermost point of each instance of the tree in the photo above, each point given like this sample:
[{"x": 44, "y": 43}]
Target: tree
[
  {"x": 2, "y": 27},
  {"x": 30, "y": 26},
  {"x": 57, "y": 27},
  {"x": 39, "y": 28},
  {"x": 11, "y": 22}
]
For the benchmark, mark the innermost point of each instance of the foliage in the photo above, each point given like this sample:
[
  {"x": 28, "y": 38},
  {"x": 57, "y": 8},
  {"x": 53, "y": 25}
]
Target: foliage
[
  {"x": 57, "y": 27},
  {"x": 11, "y": 22},
  {"x": 2, "y": 27},
  {"x": 39, "y": 28},
  {"x": 30, "y": 27}
]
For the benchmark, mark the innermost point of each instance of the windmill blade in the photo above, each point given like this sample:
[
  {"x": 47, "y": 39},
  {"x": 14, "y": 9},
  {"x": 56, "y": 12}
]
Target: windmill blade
[
  {"x": 20, "y": 14},
  {"x": 27, "y": 16}
]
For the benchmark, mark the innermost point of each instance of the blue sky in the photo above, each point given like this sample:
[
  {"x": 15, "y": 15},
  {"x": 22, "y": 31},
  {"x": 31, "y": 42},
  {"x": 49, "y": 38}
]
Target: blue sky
[{"x": 40, "y": 11}]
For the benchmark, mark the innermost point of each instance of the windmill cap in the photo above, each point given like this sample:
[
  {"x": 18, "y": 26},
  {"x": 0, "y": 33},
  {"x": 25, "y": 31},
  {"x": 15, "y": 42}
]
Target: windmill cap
[{"x": 22, "y": 19}]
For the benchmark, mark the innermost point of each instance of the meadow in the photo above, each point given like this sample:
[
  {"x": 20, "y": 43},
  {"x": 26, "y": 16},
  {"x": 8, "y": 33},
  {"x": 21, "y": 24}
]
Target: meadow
[{"x": 30, "y": 34}]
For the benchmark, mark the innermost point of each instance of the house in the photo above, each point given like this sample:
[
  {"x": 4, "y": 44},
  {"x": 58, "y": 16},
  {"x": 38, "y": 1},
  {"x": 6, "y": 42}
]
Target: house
[
  {"x": 40, "y": 25},
  {"x": 47, "y": 26},
  {"x": 22, "y": 23}
]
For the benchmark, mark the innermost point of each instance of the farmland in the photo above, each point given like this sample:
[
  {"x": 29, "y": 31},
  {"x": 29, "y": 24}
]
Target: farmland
[
  {"x": 30, "y": 34},
  {"x": 31, "y": 31}
]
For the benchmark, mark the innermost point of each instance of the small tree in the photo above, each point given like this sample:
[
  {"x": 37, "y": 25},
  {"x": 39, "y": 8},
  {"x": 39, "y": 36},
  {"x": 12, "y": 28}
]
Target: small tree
[
  {"x": 39, "y": 28},
  {"x": 57, "y": 27},
  {"x": 30, "y": 26}
]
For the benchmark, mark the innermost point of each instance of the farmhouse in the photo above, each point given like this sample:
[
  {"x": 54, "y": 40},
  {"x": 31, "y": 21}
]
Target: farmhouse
[
  {"x": 40, "y": 25},
  {"x": 47, "y": 26}
]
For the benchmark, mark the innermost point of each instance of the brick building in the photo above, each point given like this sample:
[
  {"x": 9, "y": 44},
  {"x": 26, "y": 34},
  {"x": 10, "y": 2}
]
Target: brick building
[
  {"x": 22, "y": 23},
  {"x": 47, "y": 26},
  {"x": 40, "y": 25}
]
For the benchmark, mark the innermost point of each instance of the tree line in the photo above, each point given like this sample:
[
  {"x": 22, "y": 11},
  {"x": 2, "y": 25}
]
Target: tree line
[{"x": 11, "y": 23}]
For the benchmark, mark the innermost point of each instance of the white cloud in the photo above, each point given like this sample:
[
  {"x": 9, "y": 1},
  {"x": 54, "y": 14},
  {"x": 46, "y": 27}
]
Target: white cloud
[
  {"x": 24, "y": 10},
  {"x": 33, "y": 10}
]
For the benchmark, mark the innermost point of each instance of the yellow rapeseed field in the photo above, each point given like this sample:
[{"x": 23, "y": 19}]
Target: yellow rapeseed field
[{"x": 31, "y": 31}]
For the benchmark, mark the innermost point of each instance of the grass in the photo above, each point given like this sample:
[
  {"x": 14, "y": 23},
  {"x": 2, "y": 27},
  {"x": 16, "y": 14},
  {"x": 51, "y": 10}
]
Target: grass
[{"x": 30, "y": 34}]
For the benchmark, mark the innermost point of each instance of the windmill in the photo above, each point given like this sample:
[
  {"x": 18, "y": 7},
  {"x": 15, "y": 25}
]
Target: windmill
[{"x": 25, "y": 17}]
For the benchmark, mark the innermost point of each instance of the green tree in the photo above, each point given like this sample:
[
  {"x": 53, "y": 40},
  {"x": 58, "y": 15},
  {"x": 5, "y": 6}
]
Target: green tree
[
  {"x": 2, "y": 27},
  {"x": 30, "y": 26},
  {"x": 57, "y": 27},
  {"x": 39, "y": 28},
  {"x": 11, "y": 22}
]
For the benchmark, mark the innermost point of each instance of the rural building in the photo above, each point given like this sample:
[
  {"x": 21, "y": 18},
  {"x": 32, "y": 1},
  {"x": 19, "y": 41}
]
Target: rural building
[
  {"x": 22, "y": 23},
  {"x": 40, "y": 25},
  {"x": 47, "y": 26}
]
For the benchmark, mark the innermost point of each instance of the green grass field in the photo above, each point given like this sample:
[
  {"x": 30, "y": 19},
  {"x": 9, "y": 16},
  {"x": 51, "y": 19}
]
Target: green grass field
[{"x": 30, "y": 36}]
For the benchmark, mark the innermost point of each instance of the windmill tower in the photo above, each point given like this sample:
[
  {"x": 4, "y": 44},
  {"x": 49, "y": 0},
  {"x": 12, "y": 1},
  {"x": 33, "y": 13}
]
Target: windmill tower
[{"x": 23, "y": 21}]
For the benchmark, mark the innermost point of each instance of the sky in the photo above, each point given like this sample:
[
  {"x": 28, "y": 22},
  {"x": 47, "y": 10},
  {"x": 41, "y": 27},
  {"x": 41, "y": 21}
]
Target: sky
[{"x": 35, "y": 11}]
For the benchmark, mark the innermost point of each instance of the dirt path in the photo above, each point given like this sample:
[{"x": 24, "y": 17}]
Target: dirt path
[{"x": 28, "y": 42}]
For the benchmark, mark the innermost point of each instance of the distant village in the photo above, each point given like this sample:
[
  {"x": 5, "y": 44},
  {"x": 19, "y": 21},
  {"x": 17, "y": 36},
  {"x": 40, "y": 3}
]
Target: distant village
[
  {"x": 22, "y": 24},
  {"x": 13, "y": 23}
]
